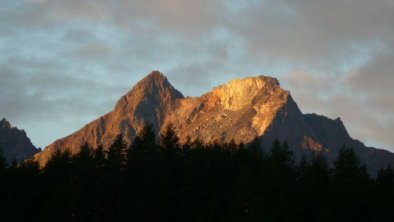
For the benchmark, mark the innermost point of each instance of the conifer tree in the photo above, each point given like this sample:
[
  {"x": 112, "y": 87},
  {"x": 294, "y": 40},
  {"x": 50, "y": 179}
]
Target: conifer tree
[
  {"x": 169, "y": 141},
  {"x": 281, "y": 154},
  {"x": 255, "y": 146},
  {"x": 57, "y": 177},
  {"x": 3, "y": 162},
  {"x": 348, "y": 166},
  {"x": 145, "y": 140},
  {"x": 116, "y": 154}
]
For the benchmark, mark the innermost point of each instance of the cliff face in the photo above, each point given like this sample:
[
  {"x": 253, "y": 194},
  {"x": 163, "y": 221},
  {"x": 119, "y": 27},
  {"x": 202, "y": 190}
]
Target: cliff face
[
  {"x": 239, "y": 110},
  {"x": 14, "y": 142}
]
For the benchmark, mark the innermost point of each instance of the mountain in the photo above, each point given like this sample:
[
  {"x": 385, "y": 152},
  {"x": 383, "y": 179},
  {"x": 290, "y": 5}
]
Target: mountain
[
  {"x": 14, "y": 142},
  {"x": 239, "y": 110},
  {"x": 149, "y": 101}
]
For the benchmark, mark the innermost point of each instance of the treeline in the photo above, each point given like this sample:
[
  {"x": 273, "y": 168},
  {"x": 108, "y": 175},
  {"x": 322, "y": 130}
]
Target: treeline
[{"x": 193, "y": 182}]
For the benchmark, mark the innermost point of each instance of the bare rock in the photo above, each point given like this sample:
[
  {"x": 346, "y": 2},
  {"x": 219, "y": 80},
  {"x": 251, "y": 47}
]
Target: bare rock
[{"x": 239, "y": 110}]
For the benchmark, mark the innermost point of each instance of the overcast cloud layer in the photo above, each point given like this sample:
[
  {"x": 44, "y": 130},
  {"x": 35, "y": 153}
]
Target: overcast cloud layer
[{"x": 64, "y": 63}]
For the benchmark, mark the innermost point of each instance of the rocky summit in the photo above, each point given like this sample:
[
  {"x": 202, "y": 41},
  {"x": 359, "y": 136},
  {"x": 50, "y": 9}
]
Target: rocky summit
[
  {"x": 240, "y": 110},
  {"x": 14, "y": 143}
]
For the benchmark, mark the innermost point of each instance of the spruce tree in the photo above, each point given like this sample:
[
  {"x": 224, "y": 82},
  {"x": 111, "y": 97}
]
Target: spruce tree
[{"x": 169, "y": 141}]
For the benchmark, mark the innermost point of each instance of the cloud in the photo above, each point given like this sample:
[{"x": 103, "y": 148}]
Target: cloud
[
  {"x": 69, "y": 61},
  {"x": 376, "y": 76}
]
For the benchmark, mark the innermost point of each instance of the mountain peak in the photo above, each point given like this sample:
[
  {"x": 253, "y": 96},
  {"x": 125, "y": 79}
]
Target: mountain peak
[
  {"x": 4, "y": 124},
  {"x": 154, "y": 85},
  {"x": 155, "y": 74},
  {"x": 16, "y": 145},
  {"x": 250, "y": 85},
  {"x": 240, "y": 93},
  {"x": 155, "y": 78},
  {"x": 259, "y": 81}
]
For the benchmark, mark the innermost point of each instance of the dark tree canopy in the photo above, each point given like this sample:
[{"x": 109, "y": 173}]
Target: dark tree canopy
[
  {"x": 3, "y": 162},
  {"x": 165, "y": 180}
]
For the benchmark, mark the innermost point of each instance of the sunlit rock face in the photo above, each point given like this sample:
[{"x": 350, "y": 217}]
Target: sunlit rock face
[
  {"x": 15, "y": 143},
  {"x": 241, "y": 93},
  {"x": 239, "y": 110}
]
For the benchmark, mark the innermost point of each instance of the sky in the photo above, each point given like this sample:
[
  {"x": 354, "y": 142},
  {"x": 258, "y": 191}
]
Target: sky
[{"x": 64, "y": 63}]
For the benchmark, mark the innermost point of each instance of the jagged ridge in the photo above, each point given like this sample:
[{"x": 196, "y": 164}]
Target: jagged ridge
[
  {"x": 239, "y": 110},
  {"x": 15, "y": 143}
]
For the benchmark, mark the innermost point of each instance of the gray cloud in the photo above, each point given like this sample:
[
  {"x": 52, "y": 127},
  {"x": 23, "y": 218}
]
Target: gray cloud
[
  {"x": 376, "y": 76},
  {"x": 63, "y": 63}
]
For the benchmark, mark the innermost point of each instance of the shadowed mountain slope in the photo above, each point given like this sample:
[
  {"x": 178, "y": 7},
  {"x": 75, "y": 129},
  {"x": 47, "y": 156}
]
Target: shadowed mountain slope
[{"x": 14, "y": 142}]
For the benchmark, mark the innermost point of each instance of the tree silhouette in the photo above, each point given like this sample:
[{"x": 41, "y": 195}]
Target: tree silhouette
[
  {"x": 255, "y": 146},
  {"x": 145, "y": 140},
  {"x": 281, "y": 154},
  {"x": 384, "y": 194},
  {"x": 194, "y": 182},
  {"x": 117, "y": 154},
  {"x": 116, "y": 165},
  {"x": 57, "y": 177},
  {"x": 3, "y": 162},
  {"x": 83, "y": 184},
  {"x": 2, "y": 184},
  {"x": 352, "y": 201},
  {"x": 313, "y": 186},
  {"x": 169, "y": 141},
  {"x": 348, "y": 166}
]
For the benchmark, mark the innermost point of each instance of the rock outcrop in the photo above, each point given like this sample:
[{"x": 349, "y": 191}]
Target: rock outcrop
[
  {"x": 14, "y": 143},
  {"x": 239, "y": 110}
]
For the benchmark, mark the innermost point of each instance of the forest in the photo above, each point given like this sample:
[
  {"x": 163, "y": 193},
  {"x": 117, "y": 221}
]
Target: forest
[{"x": 164, "y": 180}]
